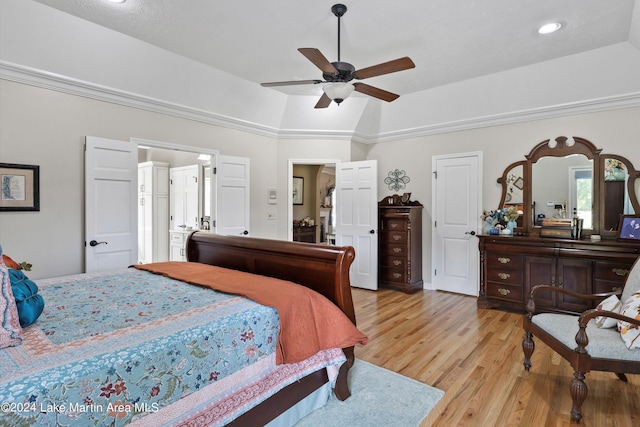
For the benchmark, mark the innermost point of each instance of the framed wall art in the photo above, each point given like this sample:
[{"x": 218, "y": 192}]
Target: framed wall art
[
  {"x": 20, "y": 187},
  {"x": 298, "y": 190}
]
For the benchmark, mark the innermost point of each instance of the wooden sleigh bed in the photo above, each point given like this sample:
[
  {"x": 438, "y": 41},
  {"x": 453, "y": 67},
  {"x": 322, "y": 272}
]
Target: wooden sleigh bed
[{"x": 324, "y": 269}]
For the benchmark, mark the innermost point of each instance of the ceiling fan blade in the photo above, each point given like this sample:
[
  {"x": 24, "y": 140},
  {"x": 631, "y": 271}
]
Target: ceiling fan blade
[
  {"x": 318, "y": 59},
  {"x": 375, "y": 92},
  {"x": 384, "y": 68},
  {"x": 324, "y": 101},
  {"x": 291, "y": 83}
]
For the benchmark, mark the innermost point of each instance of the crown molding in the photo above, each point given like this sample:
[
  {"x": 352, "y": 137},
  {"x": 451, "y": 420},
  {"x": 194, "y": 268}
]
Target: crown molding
[
  {"x": 64, "y": 84},
  {"x": 629, "y": 100}
]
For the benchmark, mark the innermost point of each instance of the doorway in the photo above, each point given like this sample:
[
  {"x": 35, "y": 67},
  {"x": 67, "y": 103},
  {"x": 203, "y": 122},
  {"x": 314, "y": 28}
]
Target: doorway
[
  {"x": 185, "y": 205},
  {"x": 311, "y": 214}
]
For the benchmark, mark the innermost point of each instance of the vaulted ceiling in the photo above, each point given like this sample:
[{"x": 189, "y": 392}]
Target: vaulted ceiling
[
  {"x": 477, "y": 63},
  {"x": 449, "y": 41}
]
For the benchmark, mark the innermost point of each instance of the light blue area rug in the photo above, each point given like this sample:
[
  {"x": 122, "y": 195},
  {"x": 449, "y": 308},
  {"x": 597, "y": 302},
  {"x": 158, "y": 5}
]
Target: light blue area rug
[{"x": 379, "y": 397}]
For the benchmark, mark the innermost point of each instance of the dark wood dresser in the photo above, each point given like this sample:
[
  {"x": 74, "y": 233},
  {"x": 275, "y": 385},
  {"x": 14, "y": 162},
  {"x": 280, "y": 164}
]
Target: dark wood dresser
[
  {"x": 303, "y": 233},
  {"x": 511, "y": 265},
  {"x": 400, "y": 245}
]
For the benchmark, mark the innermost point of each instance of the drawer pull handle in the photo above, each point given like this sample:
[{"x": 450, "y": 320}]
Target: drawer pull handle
[
  {"x": 397, "y": 275},
  {"x": 396, "y": 262},
  {"x": 504, "y": 276},
  {"x": 504, "y": 260},
  {"x": 393, "y": 225},
  {"x": 620, "y": 271},
  {"x": 397, "y": 237},
  {"x": 397, "y": 250},
  {"x": 616, "y": 289},
  {"x": 504, "y": 292}
]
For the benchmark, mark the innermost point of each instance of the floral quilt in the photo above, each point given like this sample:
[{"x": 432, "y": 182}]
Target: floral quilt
[{"x": 111, "y": 348}]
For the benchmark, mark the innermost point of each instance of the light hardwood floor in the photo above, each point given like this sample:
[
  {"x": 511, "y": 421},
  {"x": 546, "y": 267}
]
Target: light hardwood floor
[{"x": 475, "y": 356}]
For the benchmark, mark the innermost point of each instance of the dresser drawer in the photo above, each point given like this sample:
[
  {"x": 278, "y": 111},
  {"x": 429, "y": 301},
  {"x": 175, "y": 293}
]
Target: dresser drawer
[
  {"x": 504, "y": 291},
  {"x": 617, "y": 272},
  {"x": 387, "y": 250},
  {"x": 393, "y": 237},
  {"x": 391, "y": 224},
  {"x": 603, "y": 286},
  {"x": 504, "y": 260},
  {"x": 393, "y": 262},
  {"x": 393, "y": 275},
  {"x": 500, "y": 275}
]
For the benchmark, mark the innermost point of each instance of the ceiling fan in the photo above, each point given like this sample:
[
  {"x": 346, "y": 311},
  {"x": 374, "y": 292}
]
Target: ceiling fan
[{"x": 338, "y": 74}]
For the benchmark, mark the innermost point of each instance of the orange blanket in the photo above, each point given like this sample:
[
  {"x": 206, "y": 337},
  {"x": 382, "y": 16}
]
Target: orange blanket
[{"x": 309, "y": 322}]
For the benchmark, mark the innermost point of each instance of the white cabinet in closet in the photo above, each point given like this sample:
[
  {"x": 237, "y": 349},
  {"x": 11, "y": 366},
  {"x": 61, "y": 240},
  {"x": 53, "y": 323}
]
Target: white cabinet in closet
[
  {"x": 153, "y": 212},
  {"x": 184, "y": 209}
]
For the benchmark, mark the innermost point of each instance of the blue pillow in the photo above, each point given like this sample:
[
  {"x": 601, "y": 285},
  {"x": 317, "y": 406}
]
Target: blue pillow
[{"x": 25, "y": 292}]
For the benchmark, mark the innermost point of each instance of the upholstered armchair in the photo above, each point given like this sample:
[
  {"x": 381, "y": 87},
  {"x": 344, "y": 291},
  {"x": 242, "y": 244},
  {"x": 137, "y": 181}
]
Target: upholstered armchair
[{"x": 583, "y": 341}]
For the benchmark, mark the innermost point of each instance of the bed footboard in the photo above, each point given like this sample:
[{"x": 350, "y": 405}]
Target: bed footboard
[{"x": 325, "y": 269}]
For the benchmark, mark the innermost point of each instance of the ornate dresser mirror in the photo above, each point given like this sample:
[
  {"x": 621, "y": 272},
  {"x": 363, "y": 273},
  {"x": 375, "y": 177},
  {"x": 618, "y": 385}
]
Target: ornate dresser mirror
[
  {"x": 569, "y": 177},
  {"x": 561, "y": 178}
]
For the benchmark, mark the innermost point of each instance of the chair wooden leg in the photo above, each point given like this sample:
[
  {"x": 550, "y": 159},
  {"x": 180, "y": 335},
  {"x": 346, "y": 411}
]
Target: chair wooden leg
[
  {"x": 621, "y": 376},
  {"x": 528, "y": 346},
  {"x": 578, "y": 395}
]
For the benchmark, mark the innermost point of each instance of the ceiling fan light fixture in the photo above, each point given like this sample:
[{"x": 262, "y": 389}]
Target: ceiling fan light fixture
[{"x": 338, "y": 92}]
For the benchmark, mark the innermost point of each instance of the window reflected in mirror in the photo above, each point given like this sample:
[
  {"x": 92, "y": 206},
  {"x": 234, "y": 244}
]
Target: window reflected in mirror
[
  {"x": 581, "y": 189},
  {"x": 562, "y": 187}
]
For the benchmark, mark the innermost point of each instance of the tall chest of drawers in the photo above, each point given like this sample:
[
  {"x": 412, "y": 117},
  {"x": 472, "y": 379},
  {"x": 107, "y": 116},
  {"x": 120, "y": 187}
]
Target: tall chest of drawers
[{"x": 400, "y": 246}]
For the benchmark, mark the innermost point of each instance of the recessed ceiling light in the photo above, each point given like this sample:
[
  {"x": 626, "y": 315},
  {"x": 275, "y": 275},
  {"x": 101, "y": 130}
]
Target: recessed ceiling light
[{"x": 549, "y": 28}]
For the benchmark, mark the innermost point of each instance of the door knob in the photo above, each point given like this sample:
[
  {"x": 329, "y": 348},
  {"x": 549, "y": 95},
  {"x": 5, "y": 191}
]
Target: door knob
[
  {"x": 245, "y": 232},
  {"x": 372, "y": 231},
  {"x": 95, "y": 243},
  {"x": 473, "y": 233}
]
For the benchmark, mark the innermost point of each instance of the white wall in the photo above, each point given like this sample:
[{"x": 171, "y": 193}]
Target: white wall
[
  {"x": 616, "y": 131},
  {"x": 47, "y": 128}
]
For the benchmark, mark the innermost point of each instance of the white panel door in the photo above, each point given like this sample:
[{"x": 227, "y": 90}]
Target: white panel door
[
  {"x": 457, "y": 198},
  {"x": 357, "y": 219},
  {"x": 184, "y": 197},
  {"x": 232, "y": 196},
  {"x": 192, "y": 196},
  {"x": 176, "y": 199},
  {"x": 111, "y": 208}
]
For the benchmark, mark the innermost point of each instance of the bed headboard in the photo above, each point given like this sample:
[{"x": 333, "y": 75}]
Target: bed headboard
[{"x": 325, "y": 269}]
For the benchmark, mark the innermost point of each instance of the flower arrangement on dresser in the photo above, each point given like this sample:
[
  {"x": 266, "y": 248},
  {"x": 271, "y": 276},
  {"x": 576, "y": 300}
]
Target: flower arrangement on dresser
[{"x": 500, "y": 221}]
